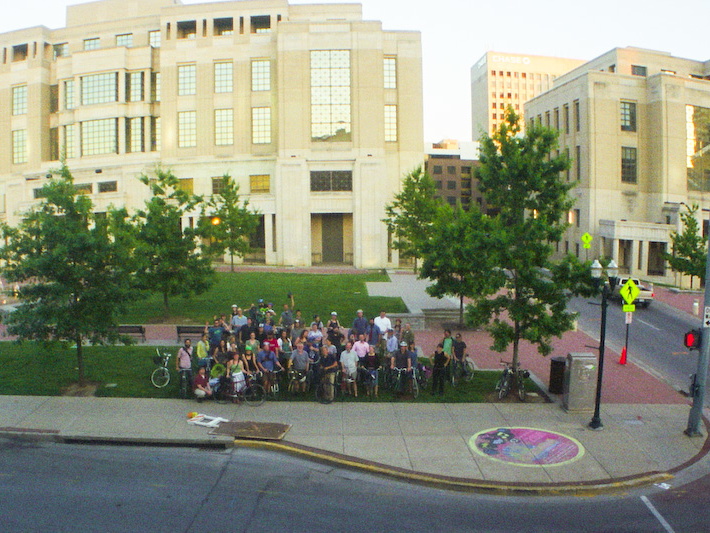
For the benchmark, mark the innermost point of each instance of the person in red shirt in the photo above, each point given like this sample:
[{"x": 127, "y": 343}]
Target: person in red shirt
[{"x": 201, "y": 386}]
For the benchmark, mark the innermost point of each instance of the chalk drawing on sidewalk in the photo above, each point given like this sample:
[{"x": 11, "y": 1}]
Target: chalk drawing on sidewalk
[{"x": 523, "y": 446}]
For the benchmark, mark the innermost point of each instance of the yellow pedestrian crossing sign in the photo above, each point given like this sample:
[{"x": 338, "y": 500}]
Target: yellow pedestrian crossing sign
[
  {"x": 630, "y": 291},
  {"x": 586, "y": 240}
]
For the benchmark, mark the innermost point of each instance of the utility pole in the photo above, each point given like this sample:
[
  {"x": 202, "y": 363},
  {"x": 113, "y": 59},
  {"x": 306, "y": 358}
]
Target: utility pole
[{"x": 701, "y": 376}]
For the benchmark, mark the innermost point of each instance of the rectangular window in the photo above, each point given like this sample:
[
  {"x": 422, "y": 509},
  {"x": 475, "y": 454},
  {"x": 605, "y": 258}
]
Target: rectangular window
[
  {"x": 261, "y": 24},
  {"x": 567, "y": 172},
  {"x": 390, "y": 68},
  {"x": 124, "y": 39},
  {"x": 628, "y": 116},
  {"x": 60, "y": 50},
  {"x": 54, "y": 144},
  {"x": 187, "y": 129},
  {"x": 451, "y": 185},
  {"x": 154, "y": 38},
  {"x": 223, "y": 127},
  {"x": 186, "y": 185},
  {"x": 260, "y": 75},
  {"x": 99, "y": 137},
  {"x": 217, "y": 185},
  {"x": 108, "y": 186},
  {"x": 69, "y": 94},
  {"x": 92, "y": 44},
  {"x": 83, "y": 188},
  {"x": 223, "y": 77},
  {"x": 69, "y": 143},
  {"x": 260, "y": 183},
  {"x": 53, "y": 98},
  {"x": 261, "y": 125},
  {"x": 187, "y": 29},
  {"x": 154, "y": 134},
  {"x": 99, "y": 88},
  {"x": 330, "y": 95},
  {"x": 437, "y": 169},
  {"x": 577, "y": 117},
  {"x": 331, "y": 180},
  {"x": 438, "y": 184},
  {"x": 187, "y": 79},
  {"x": 135, "y": 135},
  {"x": 224, "y": 26},
  {"x": 628, "y": 164},
  {"x": 578, "y": 162},
  {"x": 19, "y": 147},
  {"x": 19, "y": 100},
  {"x": 451, "y": 169},
  {"x": 557, "y": 118},
  {"x": 134, "y": 86},
  {"x": 638, "y": 70},
  {"x": 390, "y": 123},
  {"x": 155, "y": 86},
  {"x": 565, "y": 117}
]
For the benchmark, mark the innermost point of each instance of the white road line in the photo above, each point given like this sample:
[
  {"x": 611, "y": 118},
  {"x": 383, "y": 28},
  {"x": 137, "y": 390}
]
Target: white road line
[
  {"x": 649, "y": 325},
  {"x": 658, "y": 515}
]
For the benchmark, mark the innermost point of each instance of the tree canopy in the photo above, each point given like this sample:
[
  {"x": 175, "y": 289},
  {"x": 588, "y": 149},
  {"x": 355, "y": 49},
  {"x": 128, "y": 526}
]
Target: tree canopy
[
  {"x": 74, "y": 267},
  {"x": 689, "y": 248}
]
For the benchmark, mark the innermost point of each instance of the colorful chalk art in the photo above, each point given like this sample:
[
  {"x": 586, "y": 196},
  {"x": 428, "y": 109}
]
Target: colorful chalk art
[{"x": 526, "y": 446}]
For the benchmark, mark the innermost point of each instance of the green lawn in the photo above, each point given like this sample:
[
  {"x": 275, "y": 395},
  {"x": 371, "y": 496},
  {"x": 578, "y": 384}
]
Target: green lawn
[
  {"x": 124, "y": 372},
  {"x": 314, "y": 293}
]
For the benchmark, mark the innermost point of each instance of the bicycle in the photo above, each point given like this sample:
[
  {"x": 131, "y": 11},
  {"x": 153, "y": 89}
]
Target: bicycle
[
  {"x": 252, "y": 393},
  {"x": 161, "y": 375},
  {"x": 405, "y": 381},
  {"x": 327, "y": 392},
  {"x": 184, "y": 381},
  {"x": 505, "y": 382},
  {"x": 461, "y": 370}
]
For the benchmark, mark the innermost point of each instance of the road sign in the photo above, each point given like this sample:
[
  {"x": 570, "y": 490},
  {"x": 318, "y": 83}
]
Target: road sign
[
  {"x": 706, "y": 318},
  {"x": 630, "y": 291},
  {"x": 629, "y": 316},
  {"x": 586, "y": 240},
  {"x": 628, "y": 308}
]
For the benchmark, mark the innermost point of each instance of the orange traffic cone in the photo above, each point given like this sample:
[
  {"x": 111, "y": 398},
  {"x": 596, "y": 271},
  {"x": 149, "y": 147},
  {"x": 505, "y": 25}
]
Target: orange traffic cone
[{"x": 622, "y": 359}]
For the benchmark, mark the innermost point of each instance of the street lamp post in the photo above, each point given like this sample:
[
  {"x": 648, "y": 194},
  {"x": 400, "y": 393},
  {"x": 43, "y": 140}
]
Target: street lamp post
[{"x": 612, "y": 271}]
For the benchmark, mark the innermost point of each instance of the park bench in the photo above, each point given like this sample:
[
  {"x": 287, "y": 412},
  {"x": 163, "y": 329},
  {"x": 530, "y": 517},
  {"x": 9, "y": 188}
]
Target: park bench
[
  {"x": 184, "y": 332},
  {"x": 132, "y": 330}
]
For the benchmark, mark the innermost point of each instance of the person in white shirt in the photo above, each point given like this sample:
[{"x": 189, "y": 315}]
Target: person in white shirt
[
  {"x": 383, "y": 323},
  {"x": 348, "y": 363}
]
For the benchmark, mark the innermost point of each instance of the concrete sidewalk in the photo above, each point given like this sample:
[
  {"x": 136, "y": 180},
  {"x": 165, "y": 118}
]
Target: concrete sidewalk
[{"x": 429, "y": 443}]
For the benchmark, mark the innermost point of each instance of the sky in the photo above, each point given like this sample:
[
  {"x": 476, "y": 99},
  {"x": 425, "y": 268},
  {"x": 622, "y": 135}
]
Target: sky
[{"x": 456, "y": 33}]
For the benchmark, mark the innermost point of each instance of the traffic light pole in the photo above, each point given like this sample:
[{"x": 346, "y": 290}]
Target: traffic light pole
[{"x": 701, "y": 376}]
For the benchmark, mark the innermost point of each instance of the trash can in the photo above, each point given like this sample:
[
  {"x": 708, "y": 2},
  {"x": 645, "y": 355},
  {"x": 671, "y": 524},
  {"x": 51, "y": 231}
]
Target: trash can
[{"x": 557, "y": 375}]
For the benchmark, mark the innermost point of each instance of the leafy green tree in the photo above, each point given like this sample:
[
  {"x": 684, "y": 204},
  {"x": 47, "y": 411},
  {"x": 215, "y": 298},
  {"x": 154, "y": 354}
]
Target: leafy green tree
[
  {"x": 458, "y": 244},
  {"x": 227, "y": 222},
  {"x": 689, "y": 250},
  {"x": 410, "y": 215},
  {"x": 172, "y": 262},
  {"x": 521, "y": 293},
  {"x": 74, "y": 266}
]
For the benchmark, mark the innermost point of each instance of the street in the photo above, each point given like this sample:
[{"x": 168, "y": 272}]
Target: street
[
  {"x": 655, "y": 337},
  {"x": 66, "y": 487}
]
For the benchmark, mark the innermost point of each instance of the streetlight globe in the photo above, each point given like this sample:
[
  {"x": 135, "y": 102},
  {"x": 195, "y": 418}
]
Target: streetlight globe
[
  {"x": 596, "y": 269},
  {"x": 612, "y": 269}
]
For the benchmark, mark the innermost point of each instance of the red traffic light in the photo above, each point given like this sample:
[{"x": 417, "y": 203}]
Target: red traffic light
[{"x": 692, "y": 339}]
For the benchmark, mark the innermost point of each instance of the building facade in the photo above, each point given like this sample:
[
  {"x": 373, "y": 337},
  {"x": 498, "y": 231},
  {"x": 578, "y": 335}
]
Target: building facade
[
  {"x": 636, "y": 125},
  {"x": 500, "y": 80},
  {"x": 451, "y": 165},
  {"x": 316, "y": 113}
]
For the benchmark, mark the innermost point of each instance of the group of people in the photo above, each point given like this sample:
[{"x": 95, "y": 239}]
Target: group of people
[{"x": 259, "y": 343}]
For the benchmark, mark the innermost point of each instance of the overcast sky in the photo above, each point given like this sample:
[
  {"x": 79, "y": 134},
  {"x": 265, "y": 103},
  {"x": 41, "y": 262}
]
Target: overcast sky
[{"x": 456, "y": 33}]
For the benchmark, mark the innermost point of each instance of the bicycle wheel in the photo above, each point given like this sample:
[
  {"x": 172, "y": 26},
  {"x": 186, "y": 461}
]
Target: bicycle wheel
[
  {"x": 468, "y": 370},
  {"x": 254, "y": 395},
  {"x": 221, "y": 393},
  {"x": 452, "y": 374},
  {"x": 503, "y": 386},
  {"x": 415, "y": 387},
  {"x": 325, "y": 392},
  {"x": 183, "y": 385},
  {"x": 521, "y": 387},
  {"x": 160, "y": 377}
]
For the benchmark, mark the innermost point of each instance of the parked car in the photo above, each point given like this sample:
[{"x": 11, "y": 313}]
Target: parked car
[{"x": 645, "y": 296}]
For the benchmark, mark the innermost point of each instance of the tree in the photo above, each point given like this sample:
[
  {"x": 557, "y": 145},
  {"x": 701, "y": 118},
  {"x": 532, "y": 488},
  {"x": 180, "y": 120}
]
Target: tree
[
  {"x": 458, "y": 243},
  {"x": 171, "y": 260},
  {"x": 410, "y": 215},
  {"x": 521, "y": 294},
  {"x": 689, "y": 251},
  {"x": 227, "y": 223},
  {"x": 74, "y": 266}
]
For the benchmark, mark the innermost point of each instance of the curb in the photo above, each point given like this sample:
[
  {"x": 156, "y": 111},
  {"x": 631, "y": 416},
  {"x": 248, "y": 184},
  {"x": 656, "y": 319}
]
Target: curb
[{"x": 586, "y": 488}]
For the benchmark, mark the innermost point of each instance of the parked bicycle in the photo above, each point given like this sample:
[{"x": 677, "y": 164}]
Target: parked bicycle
[
  {"x": 248, "y": 391},
  {"x": 161, "y": 375},
  {"x": 461, "y": 370},
  {"x": 505, "y": 383}
]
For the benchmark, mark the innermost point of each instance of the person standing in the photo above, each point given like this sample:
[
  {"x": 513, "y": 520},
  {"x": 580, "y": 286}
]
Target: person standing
[
  {"x": 384, "y": 323},
  {"x": 441, "y": 361},
  {"x": 183, "y": 361},
  {"x": 359, "y": 324}
]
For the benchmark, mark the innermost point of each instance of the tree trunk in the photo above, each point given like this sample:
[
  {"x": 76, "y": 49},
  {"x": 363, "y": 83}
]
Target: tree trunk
[
  {"x": 461, "y": 310},
  {"x": 516, "y": 343},
  {"x": 80, "y": 360},
  {"x": 166, "y": 304},
  {"x": 231, "y": 262}
]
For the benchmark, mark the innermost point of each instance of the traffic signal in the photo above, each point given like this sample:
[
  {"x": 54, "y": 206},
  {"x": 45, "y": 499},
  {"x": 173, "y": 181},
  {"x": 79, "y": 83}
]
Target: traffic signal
[{"x": 693, "y": 338}]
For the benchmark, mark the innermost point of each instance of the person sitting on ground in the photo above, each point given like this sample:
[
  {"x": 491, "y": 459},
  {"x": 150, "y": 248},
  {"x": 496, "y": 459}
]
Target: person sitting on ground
[
  {"x": 348, "y": 362},
  {"x": 235, "y": 371},
  {"x": 441, "y": 361},
  {"x": 300, "y": 363},
  {"x": 201, "y": 387},
  {"x": 267, "y": 362},
  {"x": 372, "y": 364}
]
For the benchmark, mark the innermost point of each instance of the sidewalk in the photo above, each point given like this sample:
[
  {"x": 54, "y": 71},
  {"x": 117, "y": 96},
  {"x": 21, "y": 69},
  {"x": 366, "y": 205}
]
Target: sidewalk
[{"x": 429, "y": 443}]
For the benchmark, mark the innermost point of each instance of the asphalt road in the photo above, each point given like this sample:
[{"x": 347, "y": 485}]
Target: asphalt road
[
  {"x": 62, "y": 487},
  {"x": 655, "y": 337}
]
